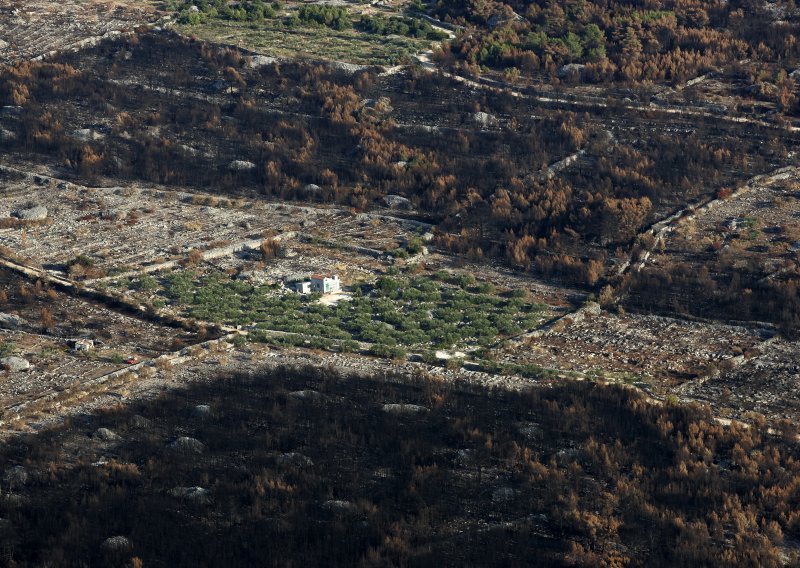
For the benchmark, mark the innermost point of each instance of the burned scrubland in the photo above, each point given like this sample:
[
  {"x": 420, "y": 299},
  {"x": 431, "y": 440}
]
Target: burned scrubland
[
  {"x": 543, "y": 187},
  {"x": 31, "y": 29},
  {"x": 498, "y": 248},
  {"x": 189, "y": 152},
  {"x": 629, "y": 43},
  {"x": 736, "y": 260},
  {"x": 304, "y": 464}
]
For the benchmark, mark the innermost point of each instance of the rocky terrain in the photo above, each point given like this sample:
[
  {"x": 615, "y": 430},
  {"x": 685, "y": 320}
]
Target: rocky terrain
[
  {"x": 568, "y": 319},
  {"x": 34, "y": 30},
  {"x": 106, "y": 234}
]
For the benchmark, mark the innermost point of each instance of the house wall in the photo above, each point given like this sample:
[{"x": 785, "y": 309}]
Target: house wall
[{"x": 325, "y": 285}]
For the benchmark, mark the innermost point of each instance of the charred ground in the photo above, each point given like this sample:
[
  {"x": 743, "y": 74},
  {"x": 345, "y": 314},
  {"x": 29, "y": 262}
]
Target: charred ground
[{"x": 308, "y": 465}]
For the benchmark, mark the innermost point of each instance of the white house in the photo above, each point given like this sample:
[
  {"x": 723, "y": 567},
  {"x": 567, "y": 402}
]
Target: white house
[
  {"x": 325, "y": 283},
  {"x": 302, "y": 287},
  {"x": 83, "y": 345}
]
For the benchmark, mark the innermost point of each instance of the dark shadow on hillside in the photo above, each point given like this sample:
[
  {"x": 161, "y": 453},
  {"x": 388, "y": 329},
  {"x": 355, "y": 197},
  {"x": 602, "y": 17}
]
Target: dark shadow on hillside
[{"x": 302, "y": 467}]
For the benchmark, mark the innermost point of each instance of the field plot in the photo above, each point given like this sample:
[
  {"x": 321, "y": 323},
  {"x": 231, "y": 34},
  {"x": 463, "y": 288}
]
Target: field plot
[
  {"x": 716, "y": 93},
  {"x": 766, "y": 384},
  {"x": 51, "y": 367},
  {"x": 738, "y": 256},
  {"x": 118, "y": 228},
  {"x": 298, "y": 260},
  {"x": 91, "y": 232},
  {"x": 46, "y": 310},
  {"x": 41, "y": 326},
  {"x": 348, "y": 47},
  {"x": 392, "y": 312},
  {"x": 31, "y": 29},
  {"x": 558, "y": 297},
  {"x": 758, "y": 227},
  {"x": 348, "y": 33},
  {"x": 662, "y": 352}
]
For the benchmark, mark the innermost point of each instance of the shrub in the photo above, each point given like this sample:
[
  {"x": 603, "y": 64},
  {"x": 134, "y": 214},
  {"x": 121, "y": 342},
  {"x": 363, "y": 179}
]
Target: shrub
[
  {"x": 387, "y": 351},
  {"x": 194, "y": 257},
  {"x": 146, "y": 283},
  {"x": 329, "y": 16},
  {"x": 116, "y": 358},
  {"x": 348, "y": 346},
  {"x": 270, "y": 248},
  {"x": 429, "y": 357},
  {"x": 81, "y": 260}
]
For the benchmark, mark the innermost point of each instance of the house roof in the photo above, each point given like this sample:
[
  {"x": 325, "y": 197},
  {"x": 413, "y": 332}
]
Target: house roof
[{"x": 322, "y": 276}]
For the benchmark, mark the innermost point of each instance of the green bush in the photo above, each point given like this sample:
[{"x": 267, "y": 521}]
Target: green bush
[
  {"x": 194, "y": 12},
  {"x": 402, "y": 26},
  {"x": 81, "y": 260},
  {"x": 489, "y": 366},
  {"x": 146, "y": 283},
  {"x": 464, "y": 280},
  {"x": 348, "y": 346},
  {"x": 116, "y": 358},
  {"x": 388, "y": 351},
  {"x": 322, "y": 15},
  {"x": 429, "y": 357},
  {"x": 414, "y": 246}
]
